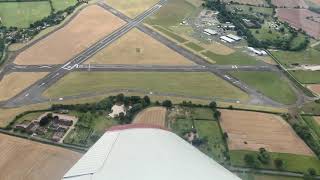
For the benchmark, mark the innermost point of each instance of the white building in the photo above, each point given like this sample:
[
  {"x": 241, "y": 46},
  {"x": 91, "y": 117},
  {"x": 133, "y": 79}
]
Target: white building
[
  {"x": 258, "y": 52},
  {"x": 227, "y": 39},
  {"x": 234, "y": 37},
  {"x": 145, "y": 152},
  {"x": 210, "y": 32}
]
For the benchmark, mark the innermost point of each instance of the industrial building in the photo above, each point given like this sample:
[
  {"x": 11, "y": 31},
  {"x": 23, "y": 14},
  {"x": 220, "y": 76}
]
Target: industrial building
[
  {"x": 226, "y": 39},
  {"x": 210, "y": 32}
]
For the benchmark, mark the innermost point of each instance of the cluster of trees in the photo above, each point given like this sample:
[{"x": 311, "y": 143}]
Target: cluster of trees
[
  {"x": 45, "y": 120},
  {"x": 305, "y": 133},
  {"x": 213, "y": 107},
  {"x": 263, "y": 157},
  {"x": 136, "y": 104},
  {"x": 242, "y": 30}
]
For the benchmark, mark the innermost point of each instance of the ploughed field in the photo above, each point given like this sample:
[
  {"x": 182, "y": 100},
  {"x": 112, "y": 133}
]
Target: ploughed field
[
  {"x": 303, "y": 19},
  {"x": 28, "y": 160},
  {"x": 154, "y": 116},
  {"x": 253, "y": 130},
  {"x": 90, "y": 25}
]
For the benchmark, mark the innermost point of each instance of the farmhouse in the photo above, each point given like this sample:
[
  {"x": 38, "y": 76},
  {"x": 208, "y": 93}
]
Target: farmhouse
[
  {"x": 234, "y": 37},
  {"x": 226, "y": 39},
  {"x": 23, "y": 126},
  {"x": 210, "y": 32},
  {"x": 116, "y": 110}
]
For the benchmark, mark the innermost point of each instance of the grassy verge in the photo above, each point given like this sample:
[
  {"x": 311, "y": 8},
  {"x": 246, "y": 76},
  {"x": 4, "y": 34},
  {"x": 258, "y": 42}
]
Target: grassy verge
[
  {"x": 269, "y": 84},
  {"x": 236, "y": 58},
  {"x": 198, "y": 84},
  {"x": 194, "y": 46},
  {"x": 292, "y": 162},
  {"x": 170, "y": 34}
]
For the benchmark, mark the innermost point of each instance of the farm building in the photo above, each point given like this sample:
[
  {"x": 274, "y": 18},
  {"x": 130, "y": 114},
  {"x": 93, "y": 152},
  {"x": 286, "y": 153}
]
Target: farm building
[
  {"x": 234, "y": 37},
  {"x": 226, "y": 39},
  {"x": 139, "y": 150},
  {"x": 210, "y": 32}
]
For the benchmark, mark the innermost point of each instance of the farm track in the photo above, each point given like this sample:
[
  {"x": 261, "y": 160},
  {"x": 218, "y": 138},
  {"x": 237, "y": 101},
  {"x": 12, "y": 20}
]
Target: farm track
[{"x": 33, "y": 93}]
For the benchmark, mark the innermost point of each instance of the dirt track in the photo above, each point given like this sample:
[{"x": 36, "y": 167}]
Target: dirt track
[
  {"x": 28, "y": 160},
  {"x": 153, "y": 116},
  {"x": 253, "y": 130},
  {"x": 89, "y": 26}
]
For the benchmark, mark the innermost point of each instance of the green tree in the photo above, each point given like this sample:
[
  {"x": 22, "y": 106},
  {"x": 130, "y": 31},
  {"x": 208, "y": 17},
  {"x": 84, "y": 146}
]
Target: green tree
[
  {"x": 167, "y": 103},
  {"x": 250, "y": 160},
  {"x": 278, "y": 163}
]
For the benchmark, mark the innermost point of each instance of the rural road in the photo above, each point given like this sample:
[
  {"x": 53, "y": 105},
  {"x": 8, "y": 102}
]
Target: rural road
[{"x": 33, "y": 93}]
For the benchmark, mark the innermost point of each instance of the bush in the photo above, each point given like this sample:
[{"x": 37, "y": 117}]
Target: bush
[
  {"x": 167, "y": 103},
  {"x": 278, "y": 163}
]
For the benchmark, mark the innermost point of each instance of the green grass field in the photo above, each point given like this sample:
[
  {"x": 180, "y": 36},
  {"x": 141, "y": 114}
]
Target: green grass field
[
  {"x": 172, "y": 13},
  {"x": 246, "y": 9},
  {"x": 292, "y": 162},
  {"x": 202, "y": 114},
  {"x": 215, "y": 147},
  {"x": 308, "y": 56},
  {"x": 180, "y": 126},
  {"x": 307, "y": 77},
  {"x": 269, "y": 84},
  {"x": 312, "y": 108},
  {"x": 236, "y": 58},
  {"x": 264, "y": 33},
  {"x": 22, "y": 14},
  {"x": 62, "y": 4},
  {"x": 189, "y": 84}
]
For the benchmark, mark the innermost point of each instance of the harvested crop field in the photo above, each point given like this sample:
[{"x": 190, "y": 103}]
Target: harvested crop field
[
  {"x": 253, "y": 130},
  {"x": 289, "y": 4},
  {"x": 137, "y": 47},
  {"x": 154, "y": 116},
  {"x": 251, "y": 2},
  {"x": 89, "y": 26},
  {"x": 315, "y": 88},
  {"x": 28, "y": 160},
  {"x": 317, "y": 119},
  {"x": 14, "y": 83},
  {"x": 303, "y": 19},
  {"x": 131, "y": 8}
]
